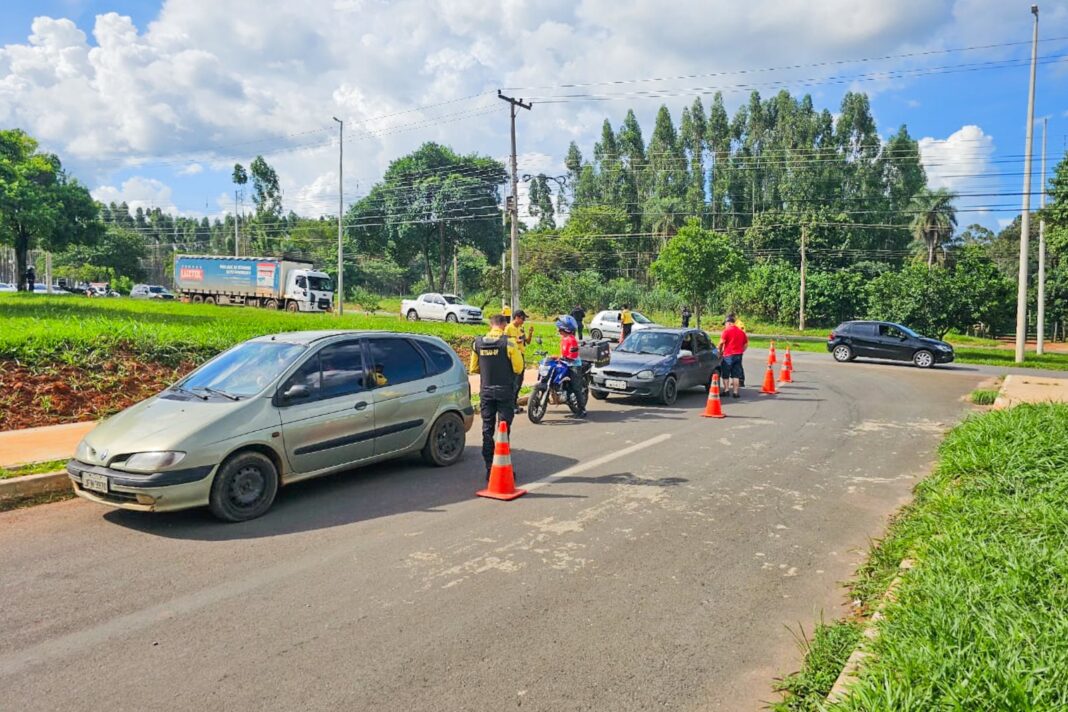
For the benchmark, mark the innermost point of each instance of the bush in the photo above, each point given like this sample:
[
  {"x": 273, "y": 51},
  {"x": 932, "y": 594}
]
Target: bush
[{"x": 364, "y": 299}]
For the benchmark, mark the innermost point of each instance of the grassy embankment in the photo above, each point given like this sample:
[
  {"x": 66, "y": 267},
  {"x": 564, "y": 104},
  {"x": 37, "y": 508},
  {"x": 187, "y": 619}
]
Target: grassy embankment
[{"x": 979, "y": 622}]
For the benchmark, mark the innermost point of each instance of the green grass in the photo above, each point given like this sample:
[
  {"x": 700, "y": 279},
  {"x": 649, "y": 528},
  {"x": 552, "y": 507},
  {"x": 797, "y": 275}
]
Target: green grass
[
  {"x": 982, "y": 396},
  {"x": 980, "y": 622},
  {"x": 825, "y": 656},
  {"x": 36, "y": 468},
  {"x": 36, "y": 329}
]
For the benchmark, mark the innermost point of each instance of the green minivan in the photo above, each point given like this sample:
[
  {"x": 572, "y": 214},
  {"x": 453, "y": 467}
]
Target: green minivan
[{"x": 276, "y": 410}]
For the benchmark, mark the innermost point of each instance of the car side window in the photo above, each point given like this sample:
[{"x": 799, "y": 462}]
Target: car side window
[
  {"x": 891, "y": 332},
  {"x": 302, "y": 282},
  {"x": 307, "y": 375},
  {"x": 438, "y": 361},
  {"x": 395, "y": 361},
  {"x": 703, "y": 342},
  {"x": 342, "y": 369}
]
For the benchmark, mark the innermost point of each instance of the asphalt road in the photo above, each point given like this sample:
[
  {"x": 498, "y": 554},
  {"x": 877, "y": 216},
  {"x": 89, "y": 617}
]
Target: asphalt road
[{"x": 659, "y": 561}]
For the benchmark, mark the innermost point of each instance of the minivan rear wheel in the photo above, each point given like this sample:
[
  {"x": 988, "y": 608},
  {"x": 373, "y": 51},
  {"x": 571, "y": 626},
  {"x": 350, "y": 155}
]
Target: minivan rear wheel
[
  {"x": 923, "y": 358},
  {"x": 843, "y": 353},
  {"x": 445, "y": 444},
  {"x": 244, "y": 487}
]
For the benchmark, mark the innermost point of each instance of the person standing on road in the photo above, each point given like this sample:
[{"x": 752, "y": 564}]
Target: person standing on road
[
  {"x": 732, "y": 344},
  {"x": 578, "y": 314},
  {"x": 516, "y": 336},
  {"x": 31, "y": 278},
  {"x": 686, "y": 317},
  {"x": 498, "y": 362},
  {"x": 627, "y": 321}
]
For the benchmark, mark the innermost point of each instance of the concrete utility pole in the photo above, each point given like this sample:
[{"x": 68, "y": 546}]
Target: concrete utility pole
[
  {"x": 1025, "y": 219},
  {"x": 340, "y": 214},
  {"x": 1040, "y": 345},
  {"x": 237, "y": 249},
  {"x": 515, "y": 200},
  {"x": 804, "y": 264}
]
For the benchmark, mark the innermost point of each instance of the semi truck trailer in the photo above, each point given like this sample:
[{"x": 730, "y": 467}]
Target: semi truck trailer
[{"x": 266, "y": 282}]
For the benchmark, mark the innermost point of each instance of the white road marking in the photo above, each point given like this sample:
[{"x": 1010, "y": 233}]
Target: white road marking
[{"x": 596, "y": 462}]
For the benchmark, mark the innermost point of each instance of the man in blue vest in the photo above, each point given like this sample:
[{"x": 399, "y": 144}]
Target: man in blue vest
[{"x": 498, "y": 361}]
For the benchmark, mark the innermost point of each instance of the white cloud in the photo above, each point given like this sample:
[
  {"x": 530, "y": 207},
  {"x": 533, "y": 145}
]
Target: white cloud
[
  {"x": 191, "y": 170},
  {"x": 210, "y": 83},
  {"x": 139, "y": 192},
  {"x": 959, "y": 162}
]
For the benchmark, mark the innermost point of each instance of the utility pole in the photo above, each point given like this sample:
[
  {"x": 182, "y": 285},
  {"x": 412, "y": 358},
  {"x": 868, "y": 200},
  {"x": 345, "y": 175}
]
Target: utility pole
[
  {"x": 237, "y": 249},
  {"x": 1025, "y": 219},
  {"x": 804, "y": 264},
  {"x": 1040, "y": 345},
  {"x": 513, "y": 103},
  {"x": 340, "y": 214}
]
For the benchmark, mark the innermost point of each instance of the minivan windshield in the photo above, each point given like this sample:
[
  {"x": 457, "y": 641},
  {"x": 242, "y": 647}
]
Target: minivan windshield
[
  {"x": 908, "y": 331},
  {"x": 649, "y": 342},
  {"x": 243, "y": 371}
]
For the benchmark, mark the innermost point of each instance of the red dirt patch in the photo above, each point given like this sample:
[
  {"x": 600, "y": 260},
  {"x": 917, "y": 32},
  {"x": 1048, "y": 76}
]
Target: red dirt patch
[{"x": 62, "y": 393}]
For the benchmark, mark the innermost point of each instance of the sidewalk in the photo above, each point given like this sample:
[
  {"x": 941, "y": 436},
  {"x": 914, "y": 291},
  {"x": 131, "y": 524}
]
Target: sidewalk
[
  {"x": 52, "y": 442},
  {"x": 1031, "y": 389},
  {"x": 57, "y": 442}
]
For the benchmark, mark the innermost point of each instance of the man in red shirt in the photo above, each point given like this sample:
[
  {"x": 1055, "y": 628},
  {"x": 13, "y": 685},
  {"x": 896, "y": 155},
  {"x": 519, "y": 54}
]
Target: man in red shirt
[
  {"x": 569, "y": 352},
  {"x": 732, "y": 344}
]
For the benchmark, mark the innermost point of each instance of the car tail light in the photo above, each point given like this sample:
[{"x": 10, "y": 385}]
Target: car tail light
[{"x": 830, "y": 337}]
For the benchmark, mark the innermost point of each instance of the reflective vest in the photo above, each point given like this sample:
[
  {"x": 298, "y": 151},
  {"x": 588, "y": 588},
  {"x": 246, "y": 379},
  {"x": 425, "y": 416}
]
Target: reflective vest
[{"x": 498, "y": 379}]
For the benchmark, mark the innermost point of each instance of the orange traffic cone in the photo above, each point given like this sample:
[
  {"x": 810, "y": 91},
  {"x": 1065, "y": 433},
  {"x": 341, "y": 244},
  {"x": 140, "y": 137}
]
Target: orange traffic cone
[
  {"x": 787, "y": 359},
  {"x": 769, "y": 382},
  {"x": 502, "y": 477},
  {"x": 771, "y": 353},
  {"x": 713, "y": 407},
  {"x": 785, "y": 373}
]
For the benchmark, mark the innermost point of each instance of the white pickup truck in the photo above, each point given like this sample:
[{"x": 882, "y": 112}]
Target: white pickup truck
[{"x": 440, "y": 307}]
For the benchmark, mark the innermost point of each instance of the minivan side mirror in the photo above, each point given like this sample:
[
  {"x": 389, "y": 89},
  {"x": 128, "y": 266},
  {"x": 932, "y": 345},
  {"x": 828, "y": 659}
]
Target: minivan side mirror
[{"x": 298, "y": 391}]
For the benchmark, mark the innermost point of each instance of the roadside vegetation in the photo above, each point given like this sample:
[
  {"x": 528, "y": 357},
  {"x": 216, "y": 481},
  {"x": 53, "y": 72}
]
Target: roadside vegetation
[
  {"x": 979, "y": 621},
  {"x": 825, "y": 656},
  {"x": 983, "y": 396},
  {"x": 37, "y": 468}
]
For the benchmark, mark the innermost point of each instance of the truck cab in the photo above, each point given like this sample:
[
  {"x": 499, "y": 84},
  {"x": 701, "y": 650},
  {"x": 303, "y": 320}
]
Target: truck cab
[{"x": 308, "y": 290}]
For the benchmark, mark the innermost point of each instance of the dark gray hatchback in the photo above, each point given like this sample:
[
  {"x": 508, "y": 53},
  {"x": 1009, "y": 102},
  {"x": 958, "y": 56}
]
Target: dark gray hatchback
[
  {"x": 886, "y": 340},
  {"x": 657, "y": 362}
]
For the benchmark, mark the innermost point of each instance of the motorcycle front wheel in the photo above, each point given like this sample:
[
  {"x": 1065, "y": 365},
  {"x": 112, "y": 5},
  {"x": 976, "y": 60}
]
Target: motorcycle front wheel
[{"x": 538, "y": 403}]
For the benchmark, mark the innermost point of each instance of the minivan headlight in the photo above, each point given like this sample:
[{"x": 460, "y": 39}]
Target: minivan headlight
[{"x": 153, "y": 461}]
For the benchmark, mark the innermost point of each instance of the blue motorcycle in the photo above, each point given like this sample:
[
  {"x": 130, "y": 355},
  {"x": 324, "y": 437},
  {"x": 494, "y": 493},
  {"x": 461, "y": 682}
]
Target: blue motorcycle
[{"x": 552, "y": 386}]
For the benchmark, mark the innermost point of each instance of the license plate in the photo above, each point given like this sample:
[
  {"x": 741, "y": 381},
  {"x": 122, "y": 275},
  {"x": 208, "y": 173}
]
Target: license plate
[
  {"x": 618, "y": 385},
  {"x": 97, "y": 483}
]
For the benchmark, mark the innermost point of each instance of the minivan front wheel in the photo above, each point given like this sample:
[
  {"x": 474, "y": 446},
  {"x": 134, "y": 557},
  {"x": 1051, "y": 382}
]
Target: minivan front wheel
[
  {"x": 445, "y": 444},
  {"x": 244, "y": 487},
  {"x": 923, "y": 358},
  {"x": 842, "y": 353}
]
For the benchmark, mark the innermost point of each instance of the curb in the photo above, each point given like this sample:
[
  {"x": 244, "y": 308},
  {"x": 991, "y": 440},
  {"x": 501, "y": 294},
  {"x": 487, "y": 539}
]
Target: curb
[
  {"x": 31, "y": 485},
  {"x": 851, "y": 670}
]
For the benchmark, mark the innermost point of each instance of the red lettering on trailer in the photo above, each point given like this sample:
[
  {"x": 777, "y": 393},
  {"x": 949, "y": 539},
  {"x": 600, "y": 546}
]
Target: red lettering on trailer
[{"x": 193, "y": 274}]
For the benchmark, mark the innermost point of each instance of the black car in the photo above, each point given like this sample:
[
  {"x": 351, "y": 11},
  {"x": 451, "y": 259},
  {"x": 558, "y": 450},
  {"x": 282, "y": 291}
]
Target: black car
[
  {"x": 657, "y": 362},
  {"x": 886, "y": 340}
]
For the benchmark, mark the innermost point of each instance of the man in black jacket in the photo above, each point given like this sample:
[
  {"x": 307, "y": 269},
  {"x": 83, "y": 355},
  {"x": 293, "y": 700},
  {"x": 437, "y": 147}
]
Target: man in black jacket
[
  {"x": 578, "y": 314},
  {"x": 498, "y": 361}
]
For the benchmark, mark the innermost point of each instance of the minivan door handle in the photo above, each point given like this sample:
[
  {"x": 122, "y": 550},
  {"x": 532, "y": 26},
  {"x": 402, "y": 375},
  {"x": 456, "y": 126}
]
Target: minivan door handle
[
  {"x": 361, "y": 405},
  {"x": 431, "y": 389}
]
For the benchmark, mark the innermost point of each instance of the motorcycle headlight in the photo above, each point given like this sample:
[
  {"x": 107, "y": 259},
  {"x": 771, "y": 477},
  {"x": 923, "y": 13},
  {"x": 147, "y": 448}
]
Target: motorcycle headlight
[
  {"x": 646, "y": 375},
  {"x": 153, "y": 461}
]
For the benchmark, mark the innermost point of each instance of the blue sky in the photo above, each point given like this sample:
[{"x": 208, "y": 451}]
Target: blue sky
[{"x": 153, "y": 102}]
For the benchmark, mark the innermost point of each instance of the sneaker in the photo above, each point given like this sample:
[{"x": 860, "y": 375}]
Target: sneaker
[
  {"x": 735, "y": 395},
  {"x": 519, "y": 409},
  {"x": 581, "y": 414}
]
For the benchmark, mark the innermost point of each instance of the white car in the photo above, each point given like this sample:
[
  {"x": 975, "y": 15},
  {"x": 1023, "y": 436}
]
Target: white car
[
  {"x": 150, "y": 291},
  {"x": 5, "y": 287},
  {"x": 607, "y": 324},
  {"x": 440, "y": 307}
]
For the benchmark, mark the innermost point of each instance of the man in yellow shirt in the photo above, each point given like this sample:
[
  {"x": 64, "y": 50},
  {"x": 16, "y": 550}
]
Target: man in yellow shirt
[
  {"x": 627, "y": 320},
  {"x": 514, "y": 331},
  {"x": 499, "y": 362}
]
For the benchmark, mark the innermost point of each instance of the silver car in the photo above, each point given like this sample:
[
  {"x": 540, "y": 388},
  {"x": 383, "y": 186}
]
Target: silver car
[
  {"x": 276, "y": 410},
  {"x": 608, "y": 324}
]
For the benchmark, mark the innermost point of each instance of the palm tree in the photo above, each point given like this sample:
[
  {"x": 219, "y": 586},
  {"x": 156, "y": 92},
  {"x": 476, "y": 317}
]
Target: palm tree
[{"x": 933, "y": 219}]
